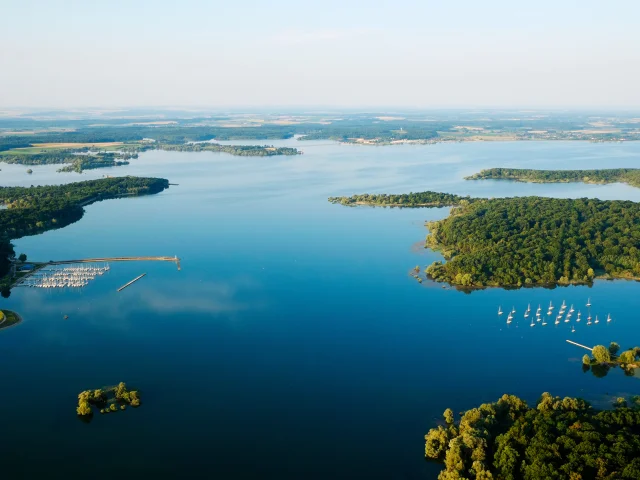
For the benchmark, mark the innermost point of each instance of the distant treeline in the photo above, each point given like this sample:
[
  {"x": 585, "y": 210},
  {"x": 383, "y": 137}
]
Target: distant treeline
[
  {"x": 238, "y": 150},
  {"x": 612, "y": 175},
  {"x": 33, "y": 210},
  {"x": 161, "y": 134},
  {"x": 84, "y": 158},
  {"x": 380, "y": 131}
]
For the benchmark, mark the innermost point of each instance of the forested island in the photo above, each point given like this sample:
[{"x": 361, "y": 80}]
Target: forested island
[
  {"x": 33, "y": 210},
  {"x": 527, "y": 240},
  {"x": 612, "y": 175},
  {"x": 558, "y": 438},
  {"x": 108, "y": 399}
]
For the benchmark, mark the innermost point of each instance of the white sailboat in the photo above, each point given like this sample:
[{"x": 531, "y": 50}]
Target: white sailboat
[
  {"x": 539, "y": 310},
  {"x": 544, "y": 322},
  {"x": 589, "y": 302},
  {"x": 608, "y": 318},
  {"x": 513, "y": 310},
  {"x": 578, "y": 319},
  {"x": 500, "y": 311},
  {"x": 529, "y": 308},
  {"x": 573, "y": 329},
  {"x": 557, "y": 322},
  {"x": 571, "y": 310},
  {"x": 550, "y": 306},
  {"x": 597, "y": 321},
  {"x": 532, "y": 324}
]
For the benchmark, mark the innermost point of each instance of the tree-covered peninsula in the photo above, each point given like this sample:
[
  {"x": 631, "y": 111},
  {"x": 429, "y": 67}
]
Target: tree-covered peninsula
[
  {"x": 527, "y": 240},
  {"x": 557, "y": 439},
  {"x": 612, "y": 175},
  {"x": 33, "y": 210},
  {"x": 421, "y": 199}
]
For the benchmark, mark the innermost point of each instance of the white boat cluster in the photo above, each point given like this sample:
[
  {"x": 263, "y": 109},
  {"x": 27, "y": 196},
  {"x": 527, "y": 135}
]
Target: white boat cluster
[
  {"x": 73, "y": 275},
  {"x": 563, "y": 316}
]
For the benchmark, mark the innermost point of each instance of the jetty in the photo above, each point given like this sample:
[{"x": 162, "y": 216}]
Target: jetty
[
  {"x": 131, "y": 282},
  {"x": 578, "y": 345}
]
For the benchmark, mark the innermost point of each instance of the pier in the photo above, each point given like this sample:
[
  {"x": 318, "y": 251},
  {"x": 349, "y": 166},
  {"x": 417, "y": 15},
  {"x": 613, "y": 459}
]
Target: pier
[
  {"x": 131, "y": 282},
  {"x": 578, "y": 345},
  {"x": 42, "y": 265}
]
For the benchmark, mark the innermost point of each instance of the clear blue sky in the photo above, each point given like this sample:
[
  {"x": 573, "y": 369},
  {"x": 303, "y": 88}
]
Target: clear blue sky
[{"x": 562, "y": 53}]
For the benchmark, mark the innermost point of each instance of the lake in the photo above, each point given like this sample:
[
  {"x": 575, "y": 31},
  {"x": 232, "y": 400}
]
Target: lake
[{"x": 292, "y": 343}]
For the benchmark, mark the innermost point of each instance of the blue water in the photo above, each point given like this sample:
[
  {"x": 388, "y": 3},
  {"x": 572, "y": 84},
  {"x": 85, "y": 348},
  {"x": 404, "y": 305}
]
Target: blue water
[{"x": 292, "y": 343}]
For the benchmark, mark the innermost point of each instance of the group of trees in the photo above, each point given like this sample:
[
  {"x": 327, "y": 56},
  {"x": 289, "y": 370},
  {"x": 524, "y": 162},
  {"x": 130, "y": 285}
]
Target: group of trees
[
  {"x": 534, "y": 240},
  {"x": 612, "y": 175},
  {"x": 604, "y": 358},
  {"x": 421, "y": 199},
  {"x": 33, "y": 210},
  {"x": 559, "y": 439},
  {"x": 113, "y": 397}
]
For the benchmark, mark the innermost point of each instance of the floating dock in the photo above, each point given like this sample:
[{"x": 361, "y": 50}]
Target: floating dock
[{"x": 131, "y": 282}]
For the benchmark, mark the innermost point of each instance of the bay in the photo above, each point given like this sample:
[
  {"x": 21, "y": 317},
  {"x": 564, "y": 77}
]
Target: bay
[{"x": 292, "y": 343}]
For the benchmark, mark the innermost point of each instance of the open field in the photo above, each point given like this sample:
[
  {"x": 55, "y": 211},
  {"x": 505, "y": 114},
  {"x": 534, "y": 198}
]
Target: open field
[
  {"x": 51, "y": 147},
  {"x": 76, "y": 145}
]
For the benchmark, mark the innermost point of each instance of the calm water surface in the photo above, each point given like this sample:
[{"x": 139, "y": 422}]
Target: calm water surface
[{"x": 292, "y": 344}]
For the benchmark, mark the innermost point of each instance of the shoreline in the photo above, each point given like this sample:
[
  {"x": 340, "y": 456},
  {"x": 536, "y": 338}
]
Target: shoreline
[{"x": 18, "y": 318}]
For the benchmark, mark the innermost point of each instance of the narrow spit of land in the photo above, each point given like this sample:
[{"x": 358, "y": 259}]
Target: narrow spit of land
[{"x": 630, "y": 176}]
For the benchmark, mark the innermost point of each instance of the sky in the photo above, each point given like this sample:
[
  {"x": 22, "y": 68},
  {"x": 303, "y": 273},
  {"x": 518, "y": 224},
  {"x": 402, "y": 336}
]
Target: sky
[{"x": 351, "y": 53}]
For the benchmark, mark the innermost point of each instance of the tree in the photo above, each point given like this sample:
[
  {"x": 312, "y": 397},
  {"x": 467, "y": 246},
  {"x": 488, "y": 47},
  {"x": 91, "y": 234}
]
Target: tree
[
  {"x": 586, "y": 360},
  {"x": 448, "y": 416},
  {"x": 620, "y": 403},
  {"x": 601, "y": 354},
  {"x": 614, "y": 348},
  {"x": 627, "y": 357},
  {"x": 22, "y": 257}
]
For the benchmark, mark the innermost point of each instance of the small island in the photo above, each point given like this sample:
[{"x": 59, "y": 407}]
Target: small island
[
  {"x": 108, "y": 399},
  {"x": 603, "y": 358},
  {"x": 612, "y": 175},
  {"x": 525, "y": 241},
  {"x": 9, "y": 319},
  {"x": 560, "y": 438}
]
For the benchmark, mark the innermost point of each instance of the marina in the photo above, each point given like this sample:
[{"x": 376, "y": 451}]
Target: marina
[{"x": 70, "y": 275}]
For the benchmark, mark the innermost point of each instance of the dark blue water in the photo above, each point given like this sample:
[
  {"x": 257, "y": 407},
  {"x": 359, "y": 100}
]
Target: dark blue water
[{"x": 292, "y": 344}]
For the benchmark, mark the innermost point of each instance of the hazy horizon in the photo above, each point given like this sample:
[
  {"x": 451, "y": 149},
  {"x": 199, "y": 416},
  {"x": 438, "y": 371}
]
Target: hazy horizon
[{"x": 286, "y": 55}]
